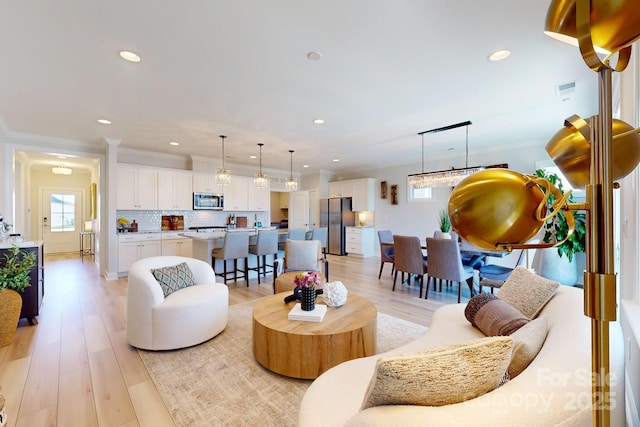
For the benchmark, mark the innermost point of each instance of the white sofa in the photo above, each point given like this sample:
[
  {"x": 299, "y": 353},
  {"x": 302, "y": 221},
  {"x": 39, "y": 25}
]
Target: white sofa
[
  {"x": 555, "y": 389},
  {"x": 184, "y": 318}
]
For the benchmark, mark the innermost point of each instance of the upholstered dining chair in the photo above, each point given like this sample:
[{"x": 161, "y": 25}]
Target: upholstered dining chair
[
  {"x": 299, "y": 256},
  {"x": 387, "y": 252},
  {"x": 297, "y": 234},
  {"x": 409, "y": 259},
  {"x": 266, "y": 244},
  {"x": 445, "y": 263},
  {"x": 236, "y": 246},
  {"x": 320, "y": 234},
  {"x": 493, "y": 275}
]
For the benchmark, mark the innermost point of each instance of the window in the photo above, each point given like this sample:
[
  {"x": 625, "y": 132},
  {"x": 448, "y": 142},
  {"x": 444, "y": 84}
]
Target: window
[
  {"x": 419, "y": 194},
  {"x": 63, "y": 208}
]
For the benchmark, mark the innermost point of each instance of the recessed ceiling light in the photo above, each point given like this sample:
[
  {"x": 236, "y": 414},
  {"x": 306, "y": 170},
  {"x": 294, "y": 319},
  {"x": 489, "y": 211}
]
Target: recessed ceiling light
[
  {"x": 253, "y": 157},
  {"x": 174, "y": 143},
  {"x": 314, "y": 56},
  {"x": 62, "y": 157},
  {"x": 499, "y": 55},
  {"x": 129, "y": 56},
  {"x": 318, "y": 121},
  {"x": 104, "y": 121},
  {"x": 305, "y": 166},
  {"x": 335, "y": 160}
]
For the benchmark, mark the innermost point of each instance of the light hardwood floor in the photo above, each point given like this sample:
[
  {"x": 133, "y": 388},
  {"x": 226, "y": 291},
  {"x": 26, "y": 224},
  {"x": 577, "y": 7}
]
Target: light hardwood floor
[{"x": 75, "y": 367}]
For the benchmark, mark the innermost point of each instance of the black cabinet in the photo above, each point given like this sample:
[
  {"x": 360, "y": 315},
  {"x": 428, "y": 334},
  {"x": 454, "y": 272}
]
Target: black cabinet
[{"x": 32, "y": 295}]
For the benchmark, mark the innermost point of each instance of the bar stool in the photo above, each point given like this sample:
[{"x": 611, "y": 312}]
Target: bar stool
[
  {"x": 320, "y": 234},
  {"x": 236, "y": 246},
  {"x": 266, "y": 244}
]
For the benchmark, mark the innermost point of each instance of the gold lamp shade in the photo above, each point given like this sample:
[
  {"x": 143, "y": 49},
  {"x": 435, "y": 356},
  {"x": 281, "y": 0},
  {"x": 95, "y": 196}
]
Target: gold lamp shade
[
  {"x": 614, "y": 24},
  {"x": 570, "y": 150},
  {"x": 496, "y": 207}
]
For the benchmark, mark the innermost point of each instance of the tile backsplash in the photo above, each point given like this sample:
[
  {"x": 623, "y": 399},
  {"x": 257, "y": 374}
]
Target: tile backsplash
[{"x": 152, "y": 220}]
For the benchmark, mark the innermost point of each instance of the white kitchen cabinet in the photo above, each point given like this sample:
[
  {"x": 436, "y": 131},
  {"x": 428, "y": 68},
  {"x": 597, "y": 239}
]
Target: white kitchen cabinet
[
  {"x": 236, "y": 194},
  {"x": 136, "y": 188},
  {"x": 362, "y": 192},
  {"x": 175, "y": 245},
  {"x": 133, "y": 246},
  {"x": 284, "y": 200},
  {"x": 363, "y": 195},
  {"x": 341, "y": 189},
  {"x": 259, "y": 198},
  {"x": 205, "y": 183},
  {"x": 175, "y": 190},
  {"x": 360, "y": 241}
]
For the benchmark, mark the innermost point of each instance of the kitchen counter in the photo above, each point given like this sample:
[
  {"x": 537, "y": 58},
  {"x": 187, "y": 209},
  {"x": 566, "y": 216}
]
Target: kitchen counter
[{"x": 27, "y": 244}]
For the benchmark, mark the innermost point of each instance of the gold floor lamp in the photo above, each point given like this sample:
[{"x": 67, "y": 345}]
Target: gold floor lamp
[{"x": 591, "y": 153}]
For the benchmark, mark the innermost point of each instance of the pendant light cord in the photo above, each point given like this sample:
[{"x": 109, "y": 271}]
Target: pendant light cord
[
  {"x": 291, "y": 170},
  {"x": 223, "y": 137}
]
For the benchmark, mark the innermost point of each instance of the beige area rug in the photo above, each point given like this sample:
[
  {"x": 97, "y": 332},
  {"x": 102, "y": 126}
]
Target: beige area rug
[{"x": 219, "y": 383}]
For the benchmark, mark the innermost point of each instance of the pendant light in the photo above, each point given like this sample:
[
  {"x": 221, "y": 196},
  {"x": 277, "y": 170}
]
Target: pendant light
[
  {"x": 260, "y": 180},
  {"x": 292, "y": 183},
  {"x": 223, "y": 175}
]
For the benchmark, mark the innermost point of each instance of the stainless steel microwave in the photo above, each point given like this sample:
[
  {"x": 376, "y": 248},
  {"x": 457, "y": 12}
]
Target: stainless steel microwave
[{"x": 209, "y": 201}]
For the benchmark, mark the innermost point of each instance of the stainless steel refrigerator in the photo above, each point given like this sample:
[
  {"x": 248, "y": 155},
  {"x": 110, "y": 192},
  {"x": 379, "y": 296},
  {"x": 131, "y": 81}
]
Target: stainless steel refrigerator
[{"x": 336, "y": 214}]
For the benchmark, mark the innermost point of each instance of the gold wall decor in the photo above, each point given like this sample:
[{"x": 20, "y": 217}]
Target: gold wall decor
[{"x": 383, "y": 189}]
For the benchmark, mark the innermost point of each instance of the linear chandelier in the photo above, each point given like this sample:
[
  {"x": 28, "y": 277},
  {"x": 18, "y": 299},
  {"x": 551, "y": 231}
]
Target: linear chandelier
[
  {"x": 260, "y": 180},
  {"x": 223, "y": 176},
  {"x": 444, "y": 178}
]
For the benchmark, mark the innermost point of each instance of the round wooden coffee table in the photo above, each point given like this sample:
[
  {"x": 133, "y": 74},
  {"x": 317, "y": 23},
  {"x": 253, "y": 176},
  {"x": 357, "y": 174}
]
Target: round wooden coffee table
[{"x": 302, "y": 349}]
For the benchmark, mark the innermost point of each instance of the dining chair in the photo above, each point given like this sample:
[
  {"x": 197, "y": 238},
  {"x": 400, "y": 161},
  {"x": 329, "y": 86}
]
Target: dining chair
[
  {"x": 494, "y": 275},
  {"x": 266, "y": 244},
  {"x": 387, "y": 252},
  {"x": 320, "y": 234},
  {"x": 445, "y": 263},
  {"x": 409, "y": 259},
  {"x": 235, "y": 247},
  {"x": 299, "y": 256}
]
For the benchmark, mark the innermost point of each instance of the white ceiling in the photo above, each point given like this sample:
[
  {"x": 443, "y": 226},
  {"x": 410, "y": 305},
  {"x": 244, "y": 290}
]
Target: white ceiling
[{"x": 388, "y": 71}]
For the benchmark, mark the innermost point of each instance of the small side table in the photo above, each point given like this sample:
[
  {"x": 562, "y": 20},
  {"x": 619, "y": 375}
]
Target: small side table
[{"x": 87, "y": 250}]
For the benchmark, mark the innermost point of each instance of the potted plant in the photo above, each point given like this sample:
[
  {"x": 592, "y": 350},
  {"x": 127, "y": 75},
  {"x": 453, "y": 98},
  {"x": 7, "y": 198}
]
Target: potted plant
[
  {"x": 445, "y": 224},
  {"x": 14, "y": 278},
  {"x": 556, "y": 229}
]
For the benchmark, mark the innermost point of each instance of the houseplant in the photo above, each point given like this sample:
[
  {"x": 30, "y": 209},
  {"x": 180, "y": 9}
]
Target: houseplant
[
  {"x": 14, "y": 278},
  {"x": 555, "y": 230},
  {"x": 307, "y": 283},
  {"x": 445, "y": 222}
]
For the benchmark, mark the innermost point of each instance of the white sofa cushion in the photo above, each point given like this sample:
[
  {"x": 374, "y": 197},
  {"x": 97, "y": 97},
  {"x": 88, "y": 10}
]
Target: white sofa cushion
[
  {"x": 527, "y": 291},
  {"x": 440, "y": 376}
]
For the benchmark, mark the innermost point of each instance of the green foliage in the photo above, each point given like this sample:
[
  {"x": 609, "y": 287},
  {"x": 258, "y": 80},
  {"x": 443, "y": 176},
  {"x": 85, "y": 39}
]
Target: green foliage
[
  {"x": 445, "y": 222},
  {"x": 14, "y": 274},
  {"x": 557, "y": 228}
]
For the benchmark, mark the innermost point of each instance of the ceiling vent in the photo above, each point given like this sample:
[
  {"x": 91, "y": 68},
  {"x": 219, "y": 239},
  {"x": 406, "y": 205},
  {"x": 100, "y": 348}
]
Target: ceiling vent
[{"x": 565, "y": 91}]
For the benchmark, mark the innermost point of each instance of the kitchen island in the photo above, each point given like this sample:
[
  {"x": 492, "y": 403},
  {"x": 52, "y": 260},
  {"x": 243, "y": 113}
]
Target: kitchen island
[
  {"x": 34, "y": 293},
  {"x": 205, "y": 243}
]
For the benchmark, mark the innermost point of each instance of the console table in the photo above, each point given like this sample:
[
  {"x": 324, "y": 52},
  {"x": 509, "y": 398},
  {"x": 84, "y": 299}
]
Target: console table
[{"x": 34, "y": 293}]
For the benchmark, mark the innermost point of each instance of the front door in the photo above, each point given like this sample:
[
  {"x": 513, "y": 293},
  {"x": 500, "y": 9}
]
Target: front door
[{"x": 61, "y": 220}]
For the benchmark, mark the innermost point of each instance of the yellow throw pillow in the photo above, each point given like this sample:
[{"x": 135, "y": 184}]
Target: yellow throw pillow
[{"x": 440, "y": 376}]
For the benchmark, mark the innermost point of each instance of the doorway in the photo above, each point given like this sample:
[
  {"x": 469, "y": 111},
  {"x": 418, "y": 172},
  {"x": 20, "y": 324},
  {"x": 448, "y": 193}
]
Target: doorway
[{"x": 61, "y": 219}]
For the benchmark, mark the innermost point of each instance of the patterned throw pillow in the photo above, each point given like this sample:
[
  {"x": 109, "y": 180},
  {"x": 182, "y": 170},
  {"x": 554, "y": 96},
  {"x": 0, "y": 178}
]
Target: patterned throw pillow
[
  {"x": 527, "y": 291},
  {"x": 440, "y": 376},
  {"x": 174, "y": 278},
  {"x": 494, "y": 316}
]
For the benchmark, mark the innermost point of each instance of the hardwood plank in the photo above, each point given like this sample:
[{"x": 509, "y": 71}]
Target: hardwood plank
[
  {"x": 149, "y": 406},
  {"x": 42, "y": 381},
  {"x": 76, "y": 406},
  {"x": 113, "y": 404},
  {"x": 13, "y": 378}
]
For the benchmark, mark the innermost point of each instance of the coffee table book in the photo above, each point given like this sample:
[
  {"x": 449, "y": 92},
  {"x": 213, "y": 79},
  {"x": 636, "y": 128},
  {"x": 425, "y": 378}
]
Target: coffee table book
[{"x": 315, "y": 315}]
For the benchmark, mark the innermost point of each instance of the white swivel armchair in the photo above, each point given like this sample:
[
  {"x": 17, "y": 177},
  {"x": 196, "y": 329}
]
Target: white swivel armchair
[{"x": 184, "y": 318}]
